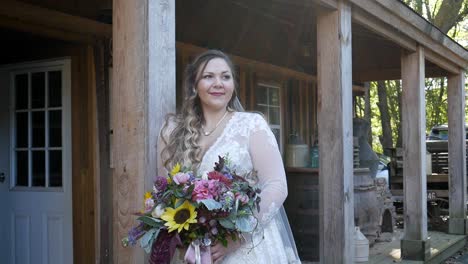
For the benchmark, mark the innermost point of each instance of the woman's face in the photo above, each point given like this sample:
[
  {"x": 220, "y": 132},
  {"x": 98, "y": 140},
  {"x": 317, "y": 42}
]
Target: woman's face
[{"x": 215, "y": 85}]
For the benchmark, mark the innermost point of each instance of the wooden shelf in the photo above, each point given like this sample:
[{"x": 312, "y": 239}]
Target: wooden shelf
[{"x": 302, "y": 170}]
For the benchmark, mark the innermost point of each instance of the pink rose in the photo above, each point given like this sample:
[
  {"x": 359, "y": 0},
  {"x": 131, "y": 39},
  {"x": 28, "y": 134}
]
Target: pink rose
[
  {"x": 205, "y": 189},
  {"x": 181, "y": 178},
  {"x": 243, "y": 198}
]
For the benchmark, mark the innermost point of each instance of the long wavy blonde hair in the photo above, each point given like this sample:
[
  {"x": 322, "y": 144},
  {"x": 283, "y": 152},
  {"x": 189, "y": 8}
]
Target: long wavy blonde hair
[{"x": 181, "y": 131}]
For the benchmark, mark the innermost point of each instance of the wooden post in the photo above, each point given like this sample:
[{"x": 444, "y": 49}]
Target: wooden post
[
  {"x": 457, "y": 154},
  {"x": 415, "y": 244},
  {"x": 143, "y": 78},
  {"x": 162, "y": 74},
  {"x": 335, "y": 135}
]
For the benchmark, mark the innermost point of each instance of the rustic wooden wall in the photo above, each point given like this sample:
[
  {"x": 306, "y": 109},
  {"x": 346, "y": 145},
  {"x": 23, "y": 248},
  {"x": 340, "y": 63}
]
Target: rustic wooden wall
[{"x": 84, "y": 141}]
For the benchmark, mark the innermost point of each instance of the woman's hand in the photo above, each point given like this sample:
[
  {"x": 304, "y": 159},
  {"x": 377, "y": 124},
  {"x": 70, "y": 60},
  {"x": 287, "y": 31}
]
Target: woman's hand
[{"x": 218, "y": 251}]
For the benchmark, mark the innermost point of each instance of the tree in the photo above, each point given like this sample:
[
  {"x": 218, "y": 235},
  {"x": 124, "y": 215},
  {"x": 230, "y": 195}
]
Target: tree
[{"x": 447, "y": 15}]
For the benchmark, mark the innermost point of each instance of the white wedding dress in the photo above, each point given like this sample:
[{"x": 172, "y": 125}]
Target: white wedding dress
[{"x": 250, "y": 144}]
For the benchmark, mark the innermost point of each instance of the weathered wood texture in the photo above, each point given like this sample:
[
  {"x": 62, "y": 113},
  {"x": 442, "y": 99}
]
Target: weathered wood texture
[
  {"x": 398, "y": 16},
  {"x": 414, "y": 155},
  {"x": 457, "y": 153},
  {"x": 336, "y": 140},
  {"x": 161, "y": 92},
  {"x": 128, "y": 120},
  {"x": 143, "y": 91},
  {"x": 83, "y": 153},
  {"x": 93, "y": 152},
  {"x": 104, "y": 184}
]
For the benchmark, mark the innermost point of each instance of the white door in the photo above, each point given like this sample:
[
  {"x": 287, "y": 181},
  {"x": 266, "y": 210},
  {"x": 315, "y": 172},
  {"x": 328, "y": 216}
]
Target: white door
[{"x": 35, "y": 163}]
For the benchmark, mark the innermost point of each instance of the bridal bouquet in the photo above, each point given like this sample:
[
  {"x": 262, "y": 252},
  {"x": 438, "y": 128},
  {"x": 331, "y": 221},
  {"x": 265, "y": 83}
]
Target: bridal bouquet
[{"x": 184, "y": 209}]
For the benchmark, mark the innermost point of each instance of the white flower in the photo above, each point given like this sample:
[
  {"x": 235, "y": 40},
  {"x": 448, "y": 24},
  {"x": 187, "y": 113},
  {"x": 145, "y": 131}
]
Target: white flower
[
  {"x": 204, "y": 176},
  {"x": 158, "y": 211}
]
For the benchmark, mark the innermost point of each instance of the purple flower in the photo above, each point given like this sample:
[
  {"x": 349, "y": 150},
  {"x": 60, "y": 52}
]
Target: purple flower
[
  {"x": 135, "y": 233},
  {"x": 160, "y": 183}
]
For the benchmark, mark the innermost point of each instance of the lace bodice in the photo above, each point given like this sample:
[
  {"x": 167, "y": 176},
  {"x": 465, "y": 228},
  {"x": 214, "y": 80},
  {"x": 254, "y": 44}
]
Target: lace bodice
[{"x": 248, "y": 141}]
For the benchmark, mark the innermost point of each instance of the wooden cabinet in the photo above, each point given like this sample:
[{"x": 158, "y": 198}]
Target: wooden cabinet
[{"x": 302, "y": 208}]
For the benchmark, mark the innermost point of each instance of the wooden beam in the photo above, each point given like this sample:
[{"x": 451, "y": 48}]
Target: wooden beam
[
  {"x": 377, "y": 26},
  {"x": 336, "y": 140},
  {"x": 29, "y": 14},
  {"x": 442, "y": 62},
  {"x": 143, "y": 93},
  {"x": 40, "y": 30},
  {"x": 327, "y": 4},
  {"x": 392, "y": 74},
  {"x": 248, "y": 63},
  {"x": 457, "y": 153},
  {"x": 161, "y": 74},
  {"x": 129, "y": 120},
  {"x": 415, "y": 244},
  {"x": 405, "y": 12},
  {"x": 397, "y": 16}
]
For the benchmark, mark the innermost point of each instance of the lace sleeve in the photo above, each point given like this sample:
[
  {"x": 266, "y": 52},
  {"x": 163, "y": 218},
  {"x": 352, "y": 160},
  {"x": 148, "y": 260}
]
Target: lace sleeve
[{"x": 267, "y": 161}]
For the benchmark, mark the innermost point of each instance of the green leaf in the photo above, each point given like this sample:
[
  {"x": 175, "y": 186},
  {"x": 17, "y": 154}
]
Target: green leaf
[
  {"x": 179, "y": 203},
  {"x": 153, "y": 222},
  {"x": 226, "y": 223},
  {"x": 147, "y": 239},
  {"x": 244, "y": 224},
  {"x": 211, "y": 204}
]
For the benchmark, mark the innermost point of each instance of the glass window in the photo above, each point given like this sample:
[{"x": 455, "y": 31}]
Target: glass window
[
  {"x": 38, "y": 90},
  {"x": 38, "y": 129},
  {"x": 21, "y": 91},
  {"x": 55, "y": 88},
  {"x": 267, "y": 99},
  {"x": 38, "y": 168}
]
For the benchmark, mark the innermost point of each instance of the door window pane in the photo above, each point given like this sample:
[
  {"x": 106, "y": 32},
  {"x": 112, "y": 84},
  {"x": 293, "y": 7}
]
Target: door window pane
[
  {"x": 22, "y": 130},
  {"x": 55, "y": 128},
  {"x": 263, "y": 110},
  {"x": 274, "y": 96},
  {"x": 38, "y": 129},
  {"x": 22, "y": 168},
  {"x": 55, "y": 89},
  {"x": 38, "y": 168},
  {"x": 55, "y": 168},
  {"x": 21, "y": 91},
  {"x": 274, "y": 116},
  {"x": 38, "y": 90}
]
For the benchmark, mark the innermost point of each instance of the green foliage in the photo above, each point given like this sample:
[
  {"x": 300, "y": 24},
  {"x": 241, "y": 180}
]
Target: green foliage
[{"x": 435, "y": 88}]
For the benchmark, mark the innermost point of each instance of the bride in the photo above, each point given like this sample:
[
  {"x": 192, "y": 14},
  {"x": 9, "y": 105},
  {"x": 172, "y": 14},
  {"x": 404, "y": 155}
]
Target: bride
[{"x": 211, "y": 123}]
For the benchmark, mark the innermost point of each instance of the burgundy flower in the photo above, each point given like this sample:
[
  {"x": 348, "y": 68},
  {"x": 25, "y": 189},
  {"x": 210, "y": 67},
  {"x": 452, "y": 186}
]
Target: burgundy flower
[{"x": 214, "y": 175}]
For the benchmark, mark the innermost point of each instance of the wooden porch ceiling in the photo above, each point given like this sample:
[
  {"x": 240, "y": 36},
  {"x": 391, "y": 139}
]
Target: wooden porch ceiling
[
  {"x": 283, "y": 33},
  {"x": 279, "y": 32}
]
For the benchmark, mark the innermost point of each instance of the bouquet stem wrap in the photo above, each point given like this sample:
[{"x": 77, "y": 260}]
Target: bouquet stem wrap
[{"x": 197, "y": 253}]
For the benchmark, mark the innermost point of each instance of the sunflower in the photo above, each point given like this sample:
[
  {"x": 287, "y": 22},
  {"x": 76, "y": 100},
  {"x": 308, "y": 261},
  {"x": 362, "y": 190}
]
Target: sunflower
[{"x": 179, "y": 218}]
